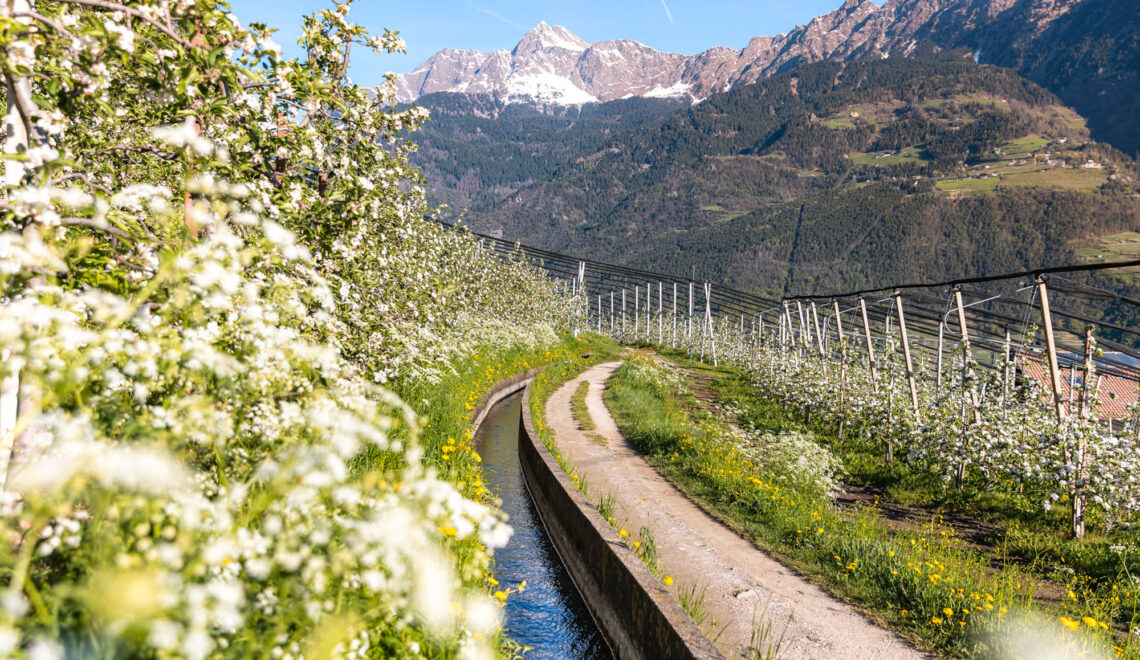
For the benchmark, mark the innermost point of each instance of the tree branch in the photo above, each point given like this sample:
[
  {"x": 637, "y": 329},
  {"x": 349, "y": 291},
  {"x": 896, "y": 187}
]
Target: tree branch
[
  {"x": 94, "y": 224},
  {"x": 46, "y": 21},
  {"x": 142, "y": 150},
  {"x": 131, "y": 11}
]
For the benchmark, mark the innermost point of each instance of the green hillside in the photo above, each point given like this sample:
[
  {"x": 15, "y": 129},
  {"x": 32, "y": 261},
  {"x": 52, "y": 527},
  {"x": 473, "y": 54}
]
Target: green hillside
[
  {"x": 828, "y": 176},
  {"x": 476, "y": 149}
]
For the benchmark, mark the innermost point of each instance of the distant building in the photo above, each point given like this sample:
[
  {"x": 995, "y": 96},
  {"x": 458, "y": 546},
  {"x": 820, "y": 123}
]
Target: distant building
[
  {"x": 1117, "y": 391},
  {"x": 1092, "y": 165}
]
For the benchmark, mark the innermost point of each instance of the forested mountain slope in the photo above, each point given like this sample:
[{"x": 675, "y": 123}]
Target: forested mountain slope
[
  {"x": 1085, "y": 51},
  {"x": 829, "y": 175},
  {"x": 477, "y": 149}
]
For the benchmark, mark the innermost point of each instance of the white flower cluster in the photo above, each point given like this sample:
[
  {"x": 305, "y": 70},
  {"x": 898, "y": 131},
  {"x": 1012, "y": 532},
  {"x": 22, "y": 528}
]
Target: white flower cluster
[
  {"x": 213, "y": 257},
  {"x": 201, "y": 452},
  {"x": 792, "y": 457},
  {"x": 1014, "y": 437}
]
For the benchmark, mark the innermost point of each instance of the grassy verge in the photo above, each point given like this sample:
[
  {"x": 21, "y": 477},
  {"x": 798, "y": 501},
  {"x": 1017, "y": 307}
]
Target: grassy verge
[
  {"x": 1088, "y": 579},
  {"x": 579, "y": 410},
  {"x": 643, "y": 544},
  {"x": 444, "y": 408},
  {"x": 927, "y": 583}
]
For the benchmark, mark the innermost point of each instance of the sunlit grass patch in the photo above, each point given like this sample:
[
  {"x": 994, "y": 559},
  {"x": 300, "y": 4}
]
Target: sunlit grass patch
[
  {"x": 909, "y": 579},
  {"x": 579, "y": 409}
]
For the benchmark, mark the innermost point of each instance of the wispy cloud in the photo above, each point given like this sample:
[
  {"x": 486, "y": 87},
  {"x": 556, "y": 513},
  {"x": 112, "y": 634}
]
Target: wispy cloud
[
  {"x": 668, "y": 14},
  {"x": 498, "y": 17}
]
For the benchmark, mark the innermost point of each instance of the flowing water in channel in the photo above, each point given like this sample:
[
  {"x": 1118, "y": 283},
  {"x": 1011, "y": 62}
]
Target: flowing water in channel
[{"x": 549, "y": 615}]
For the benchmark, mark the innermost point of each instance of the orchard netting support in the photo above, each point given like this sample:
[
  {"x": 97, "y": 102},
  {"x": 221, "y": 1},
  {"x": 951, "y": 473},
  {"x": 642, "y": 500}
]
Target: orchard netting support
[{"x": 1029, "y": 378}]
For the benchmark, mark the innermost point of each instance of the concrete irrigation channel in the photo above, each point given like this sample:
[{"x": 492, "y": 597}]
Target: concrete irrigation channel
[
  {"x": 586, "y": 595},
  {"x": 549, "y": 615}
]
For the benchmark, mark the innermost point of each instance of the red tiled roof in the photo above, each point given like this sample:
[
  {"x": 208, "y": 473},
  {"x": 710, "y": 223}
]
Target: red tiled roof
[{"x": 1115, "y": 394}]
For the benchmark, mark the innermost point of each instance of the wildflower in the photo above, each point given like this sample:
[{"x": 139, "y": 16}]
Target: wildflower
[{"x": 668, "y": 580}]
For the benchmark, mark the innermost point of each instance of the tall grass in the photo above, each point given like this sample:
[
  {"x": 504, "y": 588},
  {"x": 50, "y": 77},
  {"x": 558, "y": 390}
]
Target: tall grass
[
  {"x": 579, "y": 410},
  {"x": 927, "y": 584}
]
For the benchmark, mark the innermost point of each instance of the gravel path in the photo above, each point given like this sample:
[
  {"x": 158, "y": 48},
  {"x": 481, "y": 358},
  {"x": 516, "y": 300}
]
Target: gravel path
[{"x": 743, "y": 586}]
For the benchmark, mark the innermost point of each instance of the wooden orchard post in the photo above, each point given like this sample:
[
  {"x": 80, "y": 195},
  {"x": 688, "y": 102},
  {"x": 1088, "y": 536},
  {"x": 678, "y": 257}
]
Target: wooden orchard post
[
  {"x": 648, "y": 311},
  {"x": 1051, "y": 350},
  {"x": 689, "y": 332},
  {"x": 785, "y": 327},
  {"x": 1081, "y": 459},
  {"x": 938, "y": 379},
  {"x": 967, "y": 382},
  {"x": 623, "y": 314},
  {"x": 818, "y": 334},
  {"x": 660, "y": 311},
  {"x": 636, "y": 311},
  {"x": 906, "y": 356},
  {"x": 870, "y": 346},
  {"x": 842, "y": 369},
  {"x": 611, "y": 313},
  {"x": 783, "y": 334},
  {"x": 674, "y": 314},
  {"x": 709, "y": 320},
  {"x": 1005, "y": 373},
  {"x": 599, "y": 313},
  {"x": 585, "y": 301},
  {"x": 967, "y": 369},
  {"x": 805, "y": 332}
]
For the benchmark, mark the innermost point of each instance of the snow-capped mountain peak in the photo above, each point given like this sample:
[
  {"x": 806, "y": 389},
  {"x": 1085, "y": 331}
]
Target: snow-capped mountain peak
[
  {"x": 544, "y": 36},
  {"x": 552, "y": 65},
  {"x": 549, "y": 65}
]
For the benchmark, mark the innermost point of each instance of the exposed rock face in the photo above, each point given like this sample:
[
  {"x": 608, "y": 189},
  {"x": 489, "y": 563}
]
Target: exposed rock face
[
  {"x": 552, "y": 65},
  {"x": 1087, "y": 52}
]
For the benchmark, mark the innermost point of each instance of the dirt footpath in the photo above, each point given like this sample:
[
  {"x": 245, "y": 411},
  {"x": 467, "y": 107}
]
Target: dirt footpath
[{"x": 743, "y": 586}]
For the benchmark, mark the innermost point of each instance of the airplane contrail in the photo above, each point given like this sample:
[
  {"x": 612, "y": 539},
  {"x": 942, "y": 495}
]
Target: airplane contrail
[
  {"x": 668, "y": 14},
  {"x": 499, "y": 17}
]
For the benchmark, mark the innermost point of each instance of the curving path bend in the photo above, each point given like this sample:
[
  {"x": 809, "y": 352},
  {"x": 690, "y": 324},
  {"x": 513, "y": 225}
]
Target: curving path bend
[{"x": 743, "y": 586}]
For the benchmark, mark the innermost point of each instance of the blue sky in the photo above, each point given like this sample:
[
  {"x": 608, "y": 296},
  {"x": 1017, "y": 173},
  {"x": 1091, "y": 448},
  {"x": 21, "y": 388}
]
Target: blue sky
[{"x": 681, "y": 26}]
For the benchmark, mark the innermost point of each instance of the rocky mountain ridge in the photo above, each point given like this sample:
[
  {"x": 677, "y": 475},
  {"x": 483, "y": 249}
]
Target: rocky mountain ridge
[
  {"x": 550, "y": 64},
  {"x": 1086, "y": 52}
]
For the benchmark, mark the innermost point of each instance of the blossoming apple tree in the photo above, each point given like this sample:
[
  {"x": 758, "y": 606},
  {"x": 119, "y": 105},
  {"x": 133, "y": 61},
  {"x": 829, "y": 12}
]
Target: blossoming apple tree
[{"x": 211, "y": 258}]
